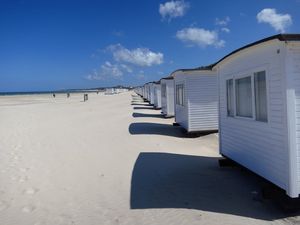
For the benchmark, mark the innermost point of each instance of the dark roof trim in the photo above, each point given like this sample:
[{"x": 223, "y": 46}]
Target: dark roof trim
[
  {"x": 280, "y": 37},
  {"x": 167, "y": 78},
  {"x": 201, "y": 68}
]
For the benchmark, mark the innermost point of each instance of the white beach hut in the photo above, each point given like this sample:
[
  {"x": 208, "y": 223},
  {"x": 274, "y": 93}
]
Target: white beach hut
[
  {"x": 146, "y": 92},
  {"x": 151, "y": 93},
  {"x": 157, "y": 95},
  {"x": 109, "y": 91},
  {"x": 260, "y": 109},
  {"x": 167, "y": 96},
  {"x": 196, "y": 99}
]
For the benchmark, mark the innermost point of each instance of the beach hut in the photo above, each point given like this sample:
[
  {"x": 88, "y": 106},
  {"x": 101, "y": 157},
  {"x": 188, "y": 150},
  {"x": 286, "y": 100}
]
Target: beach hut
[
  {"x": 157, "y": 95},
  {"x": 146, "y": 92},
  {"x": 167, "y": 96},
  {"x": 109, "y": 91},
  {"x": 151, "y": 93},
  {"x": 196, "y": 99},
  {"x": 259, "y": 97}
]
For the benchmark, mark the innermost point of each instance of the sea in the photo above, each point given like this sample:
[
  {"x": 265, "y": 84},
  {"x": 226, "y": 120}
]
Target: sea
[{"x": 47, "y": 92}]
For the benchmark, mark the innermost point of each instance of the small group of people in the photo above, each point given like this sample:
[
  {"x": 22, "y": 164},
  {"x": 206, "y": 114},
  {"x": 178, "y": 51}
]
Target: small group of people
[{"x": 85, "y": 96}]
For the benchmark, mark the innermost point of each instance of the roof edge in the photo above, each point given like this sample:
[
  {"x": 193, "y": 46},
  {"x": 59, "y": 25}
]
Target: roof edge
[{"x": 280, "y": 37}]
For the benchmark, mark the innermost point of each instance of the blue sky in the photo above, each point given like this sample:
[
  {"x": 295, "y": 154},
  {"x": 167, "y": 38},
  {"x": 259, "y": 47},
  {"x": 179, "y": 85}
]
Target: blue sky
[{"x": 51, "y": 45}]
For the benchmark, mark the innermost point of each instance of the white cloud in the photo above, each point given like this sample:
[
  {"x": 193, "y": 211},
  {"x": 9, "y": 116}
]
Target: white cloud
[
  {"x": 222, "y": 22},
  {"x": 225, "y": 29},
  {"x": 109, "y": 70},
  {"x": 200, "y": 37},
  {"x": 126, "y": 68},
  {"x": 113, "y": 70},
  {"x": 138, "y": 56},
  {"x": 278, "y": 21},
  {"x": 173, "y": 9}
]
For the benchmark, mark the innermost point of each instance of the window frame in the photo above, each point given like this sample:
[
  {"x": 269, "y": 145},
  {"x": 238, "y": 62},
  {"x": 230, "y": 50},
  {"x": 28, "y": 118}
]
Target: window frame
[
  {"x": 234, "y": 83},
  {"x": 164, "y": 90},
  {"x": 240, "y": 75},
  {"x": 233, "y": 98},
  {"x": 254, "y": 93},
  {"x": 177, "y": 86}
]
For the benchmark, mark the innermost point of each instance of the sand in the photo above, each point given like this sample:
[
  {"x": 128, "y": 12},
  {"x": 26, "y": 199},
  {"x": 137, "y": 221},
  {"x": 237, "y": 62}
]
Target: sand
[{"x": 115, "y": 160}]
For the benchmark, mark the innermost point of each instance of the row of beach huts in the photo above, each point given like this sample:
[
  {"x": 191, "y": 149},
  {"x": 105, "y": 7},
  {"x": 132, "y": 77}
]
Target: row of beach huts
[{"x": 252, "y": 97}]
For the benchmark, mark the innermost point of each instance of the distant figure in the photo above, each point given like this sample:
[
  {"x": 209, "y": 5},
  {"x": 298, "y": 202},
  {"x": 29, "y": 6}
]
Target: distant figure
[
  {"x": 53, "y": 95},
  {"x": 97, "y": 92},
  {"x": 85, "y": 97},
  {"x": 68, "y": 95}
]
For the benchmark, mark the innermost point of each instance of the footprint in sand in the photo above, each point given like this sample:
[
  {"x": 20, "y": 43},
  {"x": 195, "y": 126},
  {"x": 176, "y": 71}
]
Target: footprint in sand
[
  {"x": 16, "y": 158},
  {"x": 65, "y": 219},
  {"x": 28, "y": 208},
  {"x": 23, "y": 179},
  {"x": 3, "y": 205},
  {"x": 13, "y": 178},
  {"x": 30, "y": 191},
  {"x": 24, "y": 170}
]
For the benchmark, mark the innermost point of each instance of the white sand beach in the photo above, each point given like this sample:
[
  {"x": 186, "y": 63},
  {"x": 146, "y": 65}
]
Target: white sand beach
[{"x": 115, "y": 160}]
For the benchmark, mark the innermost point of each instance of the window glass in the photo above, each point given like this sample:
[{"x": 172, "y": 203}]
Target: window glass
[
  {"x": 243, "y": 94},
  {"x": 163, "y": 90},
  {"x": 179, "y": 94},
  {"x": 229, "y": 94},
  {"x": 260, "y": 88}
]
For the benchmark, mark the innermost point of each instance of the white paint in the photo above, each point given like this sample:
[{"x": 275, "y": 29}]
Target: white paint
[
  {"x": 167, "y": 101},
  {"x": 157, "y": 96},
  {"x": 270, "y": 149},
  {"x": 200, "y": 109}
]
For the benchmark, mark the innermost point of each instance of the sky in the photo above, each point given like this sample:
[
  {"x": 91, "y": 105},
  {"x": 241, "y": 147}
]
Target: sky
[{"x": 55, "y": 45}]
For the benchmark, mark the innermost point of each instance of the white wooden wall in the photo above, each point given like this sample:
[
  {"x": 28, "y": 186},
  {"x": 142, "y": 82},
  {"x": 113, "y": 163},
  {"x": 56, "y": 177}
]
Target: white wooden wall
[
  {"x": 202, "y": 91},
  {"x": 293, "y": 70},
  {"x": 181, "y": 112},
  {"x": 261, "y": 147}
]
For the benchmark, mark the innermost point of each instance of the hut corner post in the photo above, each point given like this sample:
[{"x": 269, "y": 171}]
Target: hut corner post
[{"x": 292, "y": 189}]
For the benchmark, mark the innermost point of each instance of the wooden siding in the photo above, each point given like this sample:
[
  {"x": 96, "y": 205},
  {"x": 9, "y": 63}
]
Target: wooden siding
[
  {"x": 294, "y": 70},
  {"x": 181, "y": 112},
  {"x": 167, "y": 102},
  {"x": 157, "y": 95},
  {"x": 202, "y": 91}
]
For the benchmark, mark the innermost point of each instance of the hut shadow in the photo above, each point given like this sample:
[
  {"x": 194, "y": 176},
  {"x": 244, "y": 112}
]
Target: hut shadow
[
  {"x": 163, "y": 180},
  {"x": 155, "y": 129},
  {"x": 143, "y": 107},
  {"x": 137, "y": 115},
  {"x": 161, "y": 129},
  {"x": 140, "y": 103}
]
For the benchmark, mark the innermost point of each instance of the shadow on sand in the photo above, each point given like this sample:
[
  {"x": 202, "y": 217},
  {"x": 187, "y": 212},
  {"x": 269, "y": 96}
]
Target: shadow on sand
[
  {"x": 140, "y": 103},
  {"x": 161, "y": 129},
  {"x": 136, "y": 115},
  {"x": 163, "y": 180},
  {"x": 144, "y": 107},
  {"x": 156, "y": 129}
]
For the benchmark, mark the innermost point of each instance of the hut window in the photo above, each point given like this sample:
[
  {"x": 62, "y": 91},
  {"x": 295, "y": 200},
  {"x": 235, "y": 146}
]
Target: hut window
[
  {"x": 179, "y": 94},
  {"x": 260, "y": 88},
  {"x": 163, "y": 90},
  {"x": 229, "y": 94},
  {"x": 243, "y": 92}
]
